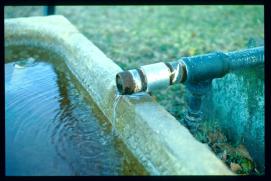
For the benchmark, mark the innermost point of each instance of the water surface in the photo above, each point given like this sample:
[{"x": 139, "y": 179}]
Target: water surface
[{"x": 53, "y": 128}]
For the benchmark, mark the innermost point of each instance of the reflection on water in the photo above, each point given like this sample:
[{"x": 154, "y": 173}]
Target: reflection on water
[{"x": 52, "y": 129}]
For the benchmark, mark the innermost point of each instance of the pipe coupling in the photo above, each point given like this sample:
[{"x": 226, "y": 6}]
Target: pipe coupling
[{"x": 149, "y": 77}]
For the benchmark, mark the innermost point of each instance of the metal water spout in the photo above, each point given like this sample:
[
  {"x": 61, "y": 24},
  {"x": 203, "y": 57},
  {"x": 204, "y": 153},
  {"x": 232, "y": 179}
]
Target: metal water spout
[
  {"x": 196, "y": 72},
  {"x": 49, "y": 10}
]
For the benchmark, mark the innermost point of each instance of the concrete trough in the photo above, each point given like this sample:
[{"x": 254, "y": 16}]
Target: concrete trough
[
  {"x": 236, "y": 104},
  {"x": 159, "y": 142}
]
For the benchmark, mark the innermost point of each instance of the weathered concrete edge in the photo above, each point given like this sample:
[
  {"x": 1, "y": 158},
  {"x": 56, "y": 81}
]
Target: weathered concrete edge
[{"x": 155, "y": 137}]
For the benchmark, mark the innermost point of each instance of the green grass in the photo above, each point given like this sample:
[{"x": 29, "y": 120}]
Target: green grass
[{"x": 137, "y": 35}]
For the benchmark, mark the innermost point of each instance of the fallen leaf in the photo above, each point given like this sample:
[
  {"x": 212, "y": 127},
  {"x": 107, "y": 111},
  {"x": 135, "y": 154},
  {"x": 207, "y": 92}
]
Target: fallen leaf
[
  {"x": 193, "y": 34},
  {"x": 243, "y": 151},
  {"x": 235, "y": 167},
  {"x": 192, "y": 51}
]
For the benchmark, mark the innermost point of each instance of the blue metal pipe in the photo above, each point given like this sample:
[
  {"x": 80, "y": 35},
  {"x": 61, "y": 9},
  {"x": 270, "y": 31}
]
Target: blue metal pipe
[
  {"x": 194, "y": 114},
  {"x": 246, "y": 58},
  {"x": 187, "y": 70},
  {"x": 217, "y": 64},
  {"x": 49, "y": 10}
]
